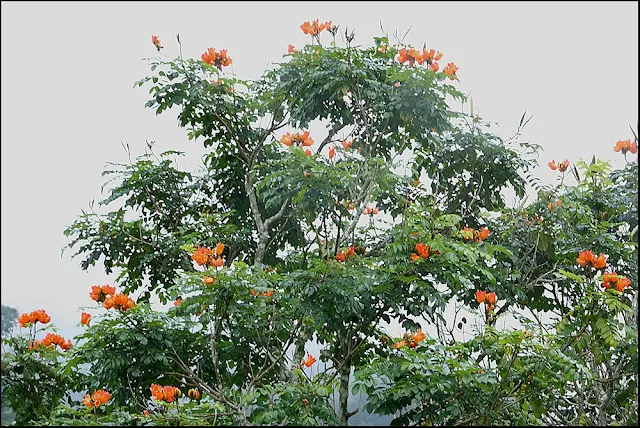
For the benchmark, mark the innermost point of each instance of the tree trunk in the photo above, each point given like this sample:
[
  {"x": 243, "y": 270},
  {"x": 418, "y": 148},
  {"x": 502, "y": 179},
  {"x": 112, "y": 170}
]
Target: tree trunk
[{"x": 345, "y": 373}]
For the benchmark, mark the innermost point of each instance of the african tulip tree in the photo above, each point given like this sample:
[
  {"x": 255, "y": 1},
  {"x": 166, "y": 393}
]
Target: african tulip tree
[{"x": 293, "y": 235}]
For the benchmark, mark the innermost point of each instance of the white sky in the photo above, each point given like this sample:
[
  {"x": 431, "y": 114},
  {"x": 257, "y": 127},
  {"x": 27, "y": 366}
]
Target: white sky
[{"x": 68, "y": 103}]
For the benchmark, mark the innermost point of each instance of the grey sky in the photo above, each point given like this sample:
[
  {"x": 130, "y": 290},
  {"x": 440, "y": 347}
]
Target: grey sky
[{"x": 68, "y": 102}]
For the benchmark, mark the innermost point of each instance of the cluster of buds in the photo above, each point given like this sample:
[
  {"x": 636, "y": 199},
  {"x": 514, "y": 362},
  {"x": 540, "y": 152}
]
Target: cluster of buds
[
  {"x": 469, "y": 234},
  {"x": 97, "y": 399},
  {"x": 562, "y": 166},
  {"x": 99, "y": 293},
  {"x": 588, "y": 259},
  {"x": 297, "y": 139},
  {"x": 165, "y": 393},
  {"x": 156, "y": 42},
  {"x": 27, "y": 319},
  {"x": 218, "y": 59},
  {"x": 347, "y": 144},
  {"x": 489, "y": 298},
  {"x": 410, "y": 339},
  {"x": 371, "y": 211},
  {"x": 193, "y": 394},
  {"x": 626, "y": 146},
  {"x": 424, "y": 252},
  {"x": 205, "y": 256},
  {"x": 613, "y": 280},
  {"x": 314, "y": 28}
]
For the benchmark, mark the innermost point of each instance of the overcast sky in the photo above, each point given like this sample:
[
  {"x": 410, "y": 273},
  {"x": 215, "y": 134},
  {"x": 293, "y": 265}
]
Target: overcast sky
[{"x": 68, "y": 103}]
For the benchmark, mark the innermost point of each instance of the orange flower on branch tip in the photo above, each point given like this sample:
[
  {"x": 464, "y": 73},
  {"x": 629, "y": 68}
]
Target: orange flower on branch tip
[
  {"x": 201, "y": 255},
  {"x": 435, "y": 66},
  {"x": 341, "y": 256},
  {"x": 616, "y": 281},
  {"x": 85, "y": 318},
  {"x": 100, "y": 292},
  {"x": 586, "y": 258},
  {"x": 411, "y": 55},
  {"x": 308, "y": 152},
  {"x": 291, "y": 49},
  {"x": 52, "y": 339},
  {"x": 626, "y": 146},
  {"x": 297, "y": 139},
  {"x": 193, "y": 394},
  {"x": 418, "y": 336},
  {"x": 480, "y": 296},
  {"x": 156, "y": 42},
  {"x": 120, "y": 302},
  {"x": 564, "y": 165},
  {"x": 164, "y": 393},
  {"x": 309, "y": 360},
  {"x": 208, "y": 280},
  {"x": 552, "y": 165},
  {"x": 145, "y": 412},
  {"x": 450, "y": 70},
  {"x": 347, "y": 144},
  {"x": 97, "y": 399},
  {"x": 332, "y": 152},
  {"x": 400, "y": 344},
  {"x": 489, "y": 298},
  {"x": 467, "y": 233},
  {"x": 177, "y": 302},
  {"x": 217, "y": 59},
  {"x": 314, "y": 28}
]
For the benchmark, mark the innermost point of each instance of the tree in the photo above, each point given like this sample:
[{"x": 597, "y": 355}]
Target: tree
[{"x": 396, "y": 213}]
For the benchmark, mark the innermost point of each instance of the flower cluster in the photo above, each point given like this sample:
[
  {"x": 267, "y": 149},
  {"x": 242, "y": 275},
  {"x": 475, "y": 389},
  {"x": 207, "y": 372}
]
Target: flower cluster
[
  {"x": 297, "y": 139},
  {"x": 588, "y": 259},
  {"x": 309, "y": 360},
  {"x": 218, "y": 59},
  {"x": 450, "y": 70},
  {"x": 205, "y": 256},
  {"x": 619, "y": 282},
  {"x": 97, "y": 399},
  {"x": 121, "y": 302},
  {"x": 347, "y": 144},
  {"x": 291, "y": 49},
  {"x": 562, "y": 166},
  {"x": 314, "y": 28},
  {"x": 52, "y": 339},
  {"x": 371, "y": 211},
  {"x": 424, "y": 252},
  {"x": 85, "y": 318},
  {"x": 557, "y": 203},
  {"x": 476, "y": 235},
  {"x": 626, "y": 146},
  {"x": 343, "y": 255},
  {"x": 156, "y": 42},
  {"x": 99, "y": 293},
  {"x": 267, "y": 293},
  {"x": 488, "y": 298},
  {"x": 332, "y": 152},
  {"x": 410, "y": 340},
  {"x": 208, "y": 280},
  {"x": 27, "y": 319},
  {"x": 165, "y": 393}
]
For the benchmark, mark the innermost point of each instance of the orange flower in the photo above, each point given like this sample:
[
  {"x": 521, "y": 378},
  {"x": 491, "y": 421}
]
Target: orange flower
[
  {"x": 314, "y": 28},
  {"x": 437, "y": 56},
  {"x": 308, "y": 152},
  {"x": 208, "y": 280},
  {"x": 481, "y": 234},
  {"x": 411, "y": 55},
  {"x": 218, "y": 59},
  {"x": 481, "y": 296},
  {"x": 100, "y": 292},
  {"x": 422, "y": 250},
  {"x": 585, "y": 257},
  {"x": 491, "y": 298},
  {"x": 626, "y": 146},
  {"x": 623, "y": 282},
  {"x": 297, "y": 139},
  {"x": 415, "y": 257},
  {"x": 27, "y": 319},
  {"x": 341, "y": 256},
  {"x": 177, "y": 302},
  {"x": 97, "y": 399},
  {"x": 169, "y": 393},
  {"x": 552, "y": 165},
  {"x": 383, "y": 48},
  {"x": 435, "y": 66},
  {"x": 85, "y": 318},
  {"x": 269, "y": 293},
  {"x": 219, "y": 249},
  {"x": 164, "y": 393},
  {"x": 309, "y": 360},
  {"x": 121, "y": 302},
  {"x": 157, "y": 392},
  {"x": 400, "y": 344},
  {"x": 347, "y": 144},
  {"x": 252, "y": 291},
  {"x": 418, "y": 336},
  {"x": 291, "y": 49},
  {"x": 562, "y": 167},
  {"x": 600, "y": 261},
  {"x": 351, "y": 251},
  {"x": 450, "y": 70},
  {"x": 375, "y": 210},
  {"x": 609, "y": 280},
  {"x": 145, "y": 412},
  {"x": 55, "y": 339},
  {"x": 201, "y": 256},
  {"x": 332, "y": 152},
  {"x": 156, "y": 42},
  {"x": 428, "y": 55}
]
